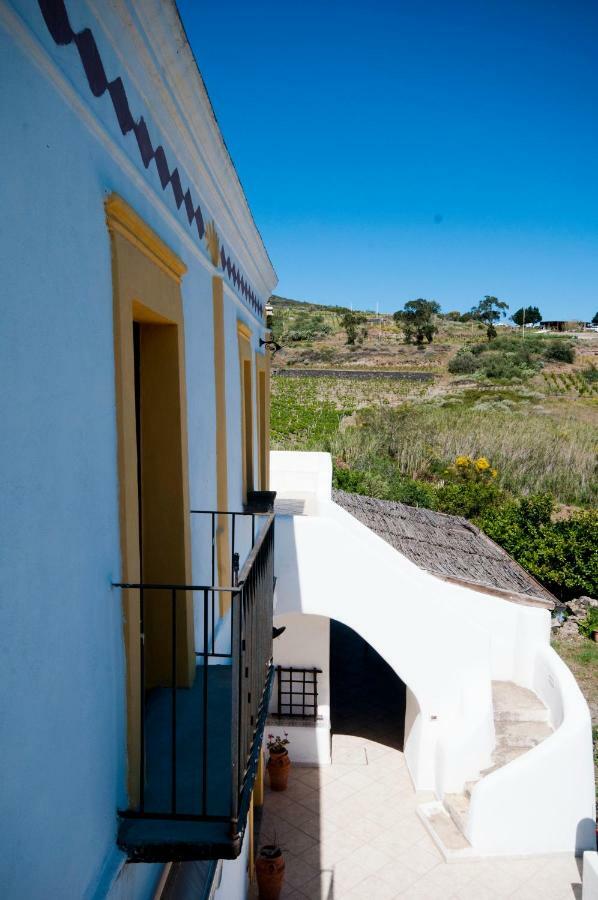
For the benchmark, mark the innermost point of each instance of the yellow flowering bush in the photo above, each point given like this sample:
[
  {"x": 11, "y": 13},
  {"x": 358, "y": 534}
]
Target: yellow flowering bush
[{"x": 469, "y": 469}]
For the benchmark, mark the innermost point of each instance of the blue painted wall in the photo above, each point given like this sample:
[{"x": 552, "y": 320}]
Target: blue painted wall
[{"x": 62, "y": 702}]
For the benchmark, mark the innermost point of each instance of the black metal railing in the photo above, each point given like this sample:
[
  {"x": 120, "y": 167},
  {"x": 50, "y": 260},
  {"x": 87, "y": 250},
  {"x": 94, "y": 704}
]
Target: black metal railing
[
  {"x": 201, "y": 723},
  {"x": 297, "y": 693}
]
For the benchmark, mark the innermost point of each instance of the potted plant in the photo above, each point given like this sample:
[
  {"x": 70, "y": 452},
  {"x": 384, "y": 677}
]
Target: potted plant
[
  {"x": 279, "y": 762},
  {"x": 269, "y": 871}
]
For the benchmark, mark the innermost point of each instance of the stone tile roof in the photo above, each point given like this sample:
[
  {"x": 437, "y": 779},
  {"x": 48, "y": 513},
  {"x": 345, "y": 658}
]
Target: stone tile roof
[{"x": 447, "y": 546}]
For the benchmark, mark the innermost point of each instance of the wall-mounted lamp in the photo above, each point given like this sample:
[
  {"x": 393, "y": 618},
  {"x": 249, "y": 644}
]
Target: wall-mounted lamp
[{"x": 272, "y": 345}]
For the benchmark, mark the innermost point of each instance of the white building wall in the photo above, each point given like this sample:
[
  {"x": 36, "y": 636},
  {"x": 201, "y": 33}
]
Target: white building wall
[{"x": 63, "y": 670}]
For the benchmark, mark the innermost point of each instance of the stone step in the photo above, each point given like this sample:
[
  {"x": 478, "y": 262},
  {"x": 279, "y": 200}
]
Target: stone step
[
  {"x": 449, "y": 839},
  {"x": 521, "y": 722},
  {"x": 500, "y": 758},
  {"x": 511, "y": 734},
  {"x": 457, "y": 806},
  {"x": 513, "y": 703}
]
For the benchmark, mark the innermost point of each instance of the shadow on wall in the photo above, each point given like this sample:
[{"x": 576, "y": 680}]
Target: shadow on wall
[
  {"x": 367, "y": 698},
  {"x": 586, "y": 836}
]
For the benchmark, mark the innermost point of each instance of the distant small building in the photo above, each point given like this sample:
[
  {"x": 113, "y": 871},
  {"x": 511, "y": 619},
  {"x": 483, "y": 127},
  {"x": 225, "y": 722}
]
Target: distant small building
[{"x": 560, "y": 325}]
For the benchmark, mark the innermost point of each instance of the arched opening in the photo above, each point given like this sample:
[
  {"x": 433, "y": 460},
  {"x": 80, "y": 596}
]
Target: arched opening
[{"x": 367, "y": 697}]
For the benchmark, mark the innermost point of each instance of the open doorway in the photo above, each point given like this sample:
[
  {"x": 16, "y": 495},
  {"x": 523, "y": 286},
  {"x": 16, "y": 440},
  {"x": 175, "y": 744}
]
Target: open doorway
[
  {"x": 160, "y": 497},
  {"x": 367, "y": 697}
]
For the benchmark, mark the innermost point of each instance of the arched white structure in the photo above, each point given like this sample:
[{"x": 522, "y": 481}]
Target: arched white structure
[{"x": 448, "y": 643}]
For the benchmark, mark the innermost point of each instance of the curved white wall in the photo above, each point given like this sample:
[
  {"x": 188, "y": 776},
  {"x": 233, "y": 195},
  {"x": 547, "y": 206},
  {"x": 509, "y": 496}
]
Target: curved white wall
[{"x": 543, "y": 801}]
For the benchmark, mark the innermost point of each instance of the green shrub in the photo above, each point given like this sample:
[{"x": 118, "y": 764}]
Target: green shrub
[
  {"x": 469, "y": 499},
  {"x": 463, "y": 363},
  {"x": 560, "y": 351},
  {"x": 503, "y": 366},
  {"x": 385, "y": 483},
  {"x": 590, "y": 624},
  {"x": 561, "y": 555}
]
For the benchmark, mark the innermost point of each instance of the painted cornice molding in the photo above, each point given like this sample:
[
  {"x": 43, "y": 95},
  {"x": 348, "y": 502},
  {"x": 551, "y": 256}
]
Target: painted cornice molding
[
  {"x": 57, "y": 21},
  {"x": 159, "y": 21},
  {"x": 184, "y": 108}
]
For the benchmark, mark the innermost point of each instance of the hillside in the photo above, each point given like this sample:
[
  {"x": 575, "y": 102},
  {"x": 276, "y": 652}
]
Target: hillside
[{"x": 396, "y": 420}]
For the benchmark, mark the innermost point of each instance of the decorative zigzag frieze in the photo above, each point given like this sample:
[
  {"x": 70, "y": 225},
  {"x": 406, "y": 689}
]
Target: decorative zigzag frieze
[{"x": 59, "y": 26}]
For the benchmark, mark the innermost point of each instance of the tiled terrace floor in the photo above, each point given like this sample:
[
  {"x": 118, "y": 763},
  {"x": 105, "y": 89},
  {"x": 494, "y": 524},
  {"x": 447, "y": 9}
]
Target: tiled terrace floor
[{"x": 350, "y": 831}]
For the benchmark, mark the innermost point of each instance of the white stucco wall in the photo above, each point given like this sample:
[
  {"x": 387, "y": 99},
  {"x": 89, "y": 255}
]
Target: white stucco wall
[
  {"x": 233, "y": 881},
  {"x": 590, "y": 875},
  {"x": 305, "y": 644}
]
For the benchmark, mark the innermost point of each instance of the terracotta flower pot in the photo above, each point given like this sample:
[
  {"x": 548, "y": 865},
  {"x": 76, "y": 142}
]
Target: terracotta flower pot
[
  {"x": 278, "y": 770},
  {"x": 269, "y": 870},
  {"x": 595, "y": 636}
]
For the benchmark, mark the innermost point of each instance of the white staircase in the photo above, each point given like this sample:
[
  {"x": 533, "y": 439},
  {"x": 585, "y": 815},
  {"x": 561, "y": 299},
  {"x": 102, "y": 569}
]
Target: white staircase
[{"x": 521, "y": 722}]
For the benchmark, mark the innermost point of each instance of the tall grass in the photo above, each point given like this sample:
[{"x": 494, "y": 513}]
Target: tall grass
[{"x": 532, "y": 451}]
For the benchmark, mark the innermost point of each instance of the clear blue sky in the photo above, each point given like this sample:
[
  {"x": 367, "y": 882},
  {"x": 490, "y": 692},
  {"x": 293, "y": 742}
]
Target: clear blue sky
[{"x": 393, "y": 150}]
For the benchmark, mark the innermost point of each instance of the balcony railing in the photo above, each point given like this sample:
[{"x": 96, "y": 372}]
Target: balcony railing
[{"x": 201, "y": 723}]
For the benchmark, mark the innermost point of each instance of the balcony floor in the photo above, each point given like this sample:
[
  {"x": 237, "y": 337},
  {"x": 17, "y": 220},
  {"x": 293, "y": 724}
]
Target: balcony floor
[{"x": 156, "y": 839}]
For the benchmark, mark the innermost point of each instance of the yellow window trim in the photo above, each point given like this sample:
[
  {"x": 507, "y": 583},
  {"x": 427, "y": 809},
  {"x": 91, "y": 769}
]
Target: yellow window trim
[
  {"x": 262, "y": 405},
  {"x": 244, "y": 330},
  {"x": 222, "y": 530},
  {"x": 247, "y": 408},
  {"x": 124, "y": 220}
]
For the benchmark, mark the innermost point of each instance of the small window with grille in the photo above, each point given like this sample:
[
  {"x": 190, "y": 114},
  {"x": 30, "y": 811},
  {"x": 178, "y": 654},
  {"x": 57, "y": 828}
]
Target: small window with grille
[{"x": 297, "y": 693}]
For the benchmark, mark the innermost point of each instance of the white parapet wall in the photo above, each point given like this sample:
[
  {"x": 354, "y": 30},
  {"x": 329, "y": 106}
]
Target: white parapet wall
[
  {"x": 542, "y": 801},
  {"x": 590, "y": 875},
  {"x": 447, "y": 643}
]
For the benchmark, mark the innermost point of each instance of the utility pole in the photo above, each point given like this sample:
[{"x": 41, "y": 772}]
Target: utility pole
[{"x": 523, "y": 326}]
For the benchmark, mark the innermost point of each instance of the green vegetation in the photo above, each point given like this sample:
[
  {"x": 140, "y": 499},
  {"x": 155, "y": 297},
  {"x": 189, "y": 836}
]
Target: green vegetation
[
  {"x": 419, "y": 440},
  {"x": 489, "y": 311},
  {"x": 511, "y": 357},
  {"x": 518, "y": 412},
  {"x": 351, "y": 322},
  {"x": 527, "y": 315},
  {"x": 589, "y": 625},
  {"x": 299, "y": 418},
  {"x": 561, "y": 555},
  {"x": 416, "y": 320},
  {"x": 303, "y": 322}
]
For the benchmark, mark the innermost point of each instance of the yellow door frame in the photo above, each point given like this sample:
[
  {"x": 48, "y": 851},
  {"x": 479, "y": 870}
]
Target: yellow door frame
[{"x": 146, "y": 289}]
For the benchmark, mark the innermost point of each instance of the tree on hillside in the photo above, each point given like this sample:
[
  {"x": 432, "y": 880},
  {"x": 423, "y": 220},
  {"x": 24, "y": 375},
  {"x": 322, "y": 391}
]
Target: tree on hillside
[
  {"x": 416, "y": 319},
  {"x": 489, "y": 310},
  {"x": 527, "y": 315},
  {"x": 351, "y": 322}
]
